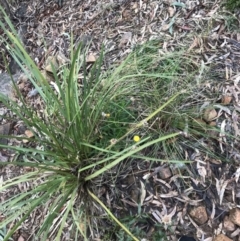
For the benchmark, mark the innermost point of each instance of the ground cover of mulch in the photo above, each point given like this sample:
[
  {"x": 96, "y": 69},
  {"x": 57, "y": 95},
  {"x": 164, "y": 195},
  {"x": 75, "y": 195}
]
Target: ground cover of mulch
[{"x": 193, "y": 201}]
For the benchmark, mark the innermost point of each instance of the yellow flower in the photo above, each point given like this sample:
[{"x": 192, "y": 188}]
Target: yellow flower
[
  {"x": 113, "y": 141},
  {"x": 136, "y": 138},
  {"x": 105, "y": 115}
]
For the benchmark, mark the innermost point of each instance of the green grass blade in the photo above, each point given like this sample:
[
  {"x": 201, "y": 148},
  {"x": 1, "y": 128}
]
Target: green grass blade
[{"x": 137, "y": 149}]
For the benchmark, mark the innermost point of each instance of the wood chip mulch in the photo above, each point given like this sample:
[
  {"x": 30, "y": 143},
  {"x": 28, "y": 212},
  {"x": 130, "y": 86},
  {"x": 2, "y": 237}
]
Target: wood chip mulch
[{"x": 201, "y": 200}]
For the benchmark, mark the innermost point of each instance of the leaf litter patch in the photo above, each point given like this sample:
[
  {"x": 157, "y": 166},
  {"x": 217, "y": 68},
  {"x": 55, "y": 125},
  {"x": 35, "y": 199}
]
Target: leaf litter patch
[{"x": 198, "y": 196}]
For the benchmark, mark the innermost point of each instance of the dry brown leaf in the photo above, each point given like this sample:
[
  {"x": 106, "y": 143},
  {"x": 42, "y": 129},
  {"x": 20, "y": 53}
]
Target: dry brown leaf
[
  {"x": 187, "y": 200},
  {"x": 201, "y": 171},
  {"x": 237, "y": 175},
  {"x": 156, "y": 215},
  {"x": 149, "y": 198},
  {"x": 130, "y": 203},
  {"x": 170, "y": 194},
  {"x": 208, "y": 239},
  {"x": 161, "y": 181},
  {"x": 155, "y": 202},
  {"x": 171, "y": 11},
  {"x": 235, "y": 120},
  {"x": 213, "y": 210},
  {"x": 215, "y": 161},
  {"x": 222, "y": 135},
  {"x": 143, "y": 193},
  {"x": 235, "y": 233},
  {"x": 221, "y": 186},
  {"x": 194, "y": 44}
]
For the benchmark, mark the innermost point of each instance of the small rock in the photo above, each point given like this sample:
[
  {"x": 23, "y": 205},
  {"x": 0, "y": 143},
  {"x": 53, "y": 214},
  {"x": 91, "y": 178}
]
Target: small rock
[
  {"x": 47, "y": 76},
  {"x": 29, "y": 133},
  {"x": 165, "y": 173},
  {"x": 235, "y": 216},
  {"x": 51, "y": 61},
  {"x": 135, "y": 193},
  {"x": 213, "y": 123},
  {"x": 209, "y": 114},
  {"x": 199, "y": 215},
  {"x": 226, "y": 100},
  {"x": 62, "y": 59},
  {"x": 90, "y": 58},
  {"x": 222, "y": 237},
  {"x": 228, "y": 224}
]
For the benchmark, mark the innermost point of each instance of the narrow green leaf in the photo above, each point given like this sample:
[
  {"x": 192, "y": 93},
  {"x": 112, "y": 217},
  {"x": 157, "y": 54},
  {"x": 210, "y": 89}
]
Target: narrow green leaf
[{"x": 137, "y": 149}]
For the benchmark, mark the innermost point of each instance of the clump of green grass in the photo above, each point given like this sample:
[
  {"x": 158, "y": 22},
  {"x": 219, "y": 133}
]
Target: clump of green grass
[
  {"x": 232, "y": 4},
  {"x": 139, "y": 225},
  {"x": 162, "y": 75},
  {"x": 86, "y": 127},
  {"x": 121, "y": 235},
  {"x": 73, "y": 140}
]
